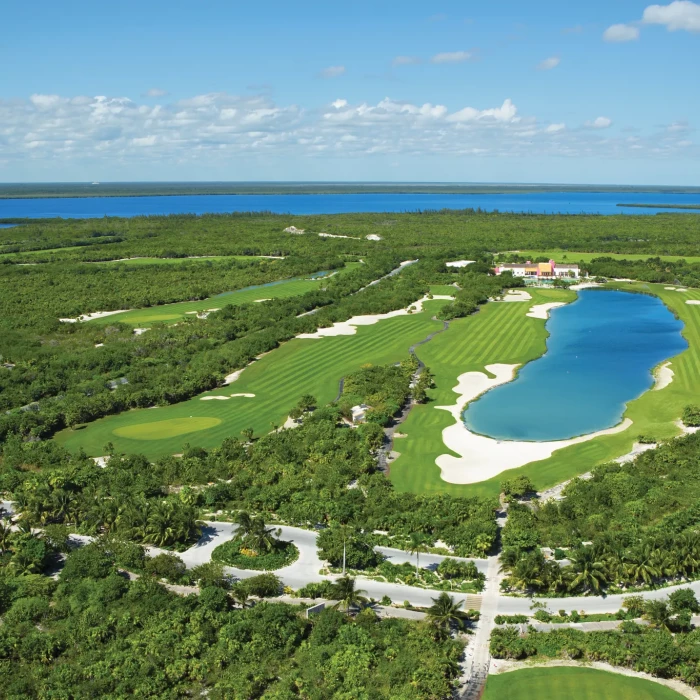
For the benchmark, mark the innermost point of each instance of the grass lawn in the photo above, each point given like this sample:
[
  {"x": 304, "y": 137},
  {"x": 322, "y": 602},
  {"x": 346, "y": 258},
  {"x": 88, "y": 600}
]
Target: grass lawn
[
  {"x": 170, "y": 313},
  {"x": 278, "y": 380},
  {"x": 502, "y": 333},
  {"x": 572, "y": 257},
  {"x": 571, "y": 683}
]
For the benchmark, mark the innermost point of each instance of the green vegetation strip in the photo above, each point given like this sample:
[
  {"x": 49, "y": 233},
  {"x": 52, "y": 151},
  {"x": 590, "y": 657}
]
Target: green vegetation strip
[
  {"x": 300, "y": 366},
  {"x": 574, "y": 257},
  {"x": 573, "y": 684},
  {"x": 233, "y": 553},
  {"x": 501, "y": 333},
  {"x": 177, "y": 261},
  {"x": 169, "y": 313}
]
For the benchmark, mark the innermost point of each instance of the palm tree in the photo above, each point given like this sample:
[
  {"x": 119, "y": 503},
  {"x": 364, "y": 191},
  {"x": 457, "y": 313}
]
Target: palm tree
[
  {"x": 640, "y": 564},
  {"x": 5, "y": 535},
  {"x": 658, "y": 614},
  {"x": 446, "y": 614},
  {"x": 255, "y": 534},
  {"x": 588, "y": 572},
  {"x": 416, "y": 546},
  {"x": 347, "y": 595}
]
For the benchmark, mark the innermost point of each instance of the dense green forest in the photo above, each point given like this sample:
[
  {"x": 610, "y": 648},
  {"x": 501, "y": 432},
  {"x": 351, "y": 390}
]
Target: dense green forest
[{"x": 631, "y": 524}]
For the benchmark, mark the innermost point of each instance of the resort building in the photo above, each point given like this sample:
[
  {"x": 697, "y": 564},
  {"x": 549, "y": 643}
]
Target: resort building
[{"x": 539, "y": 271}]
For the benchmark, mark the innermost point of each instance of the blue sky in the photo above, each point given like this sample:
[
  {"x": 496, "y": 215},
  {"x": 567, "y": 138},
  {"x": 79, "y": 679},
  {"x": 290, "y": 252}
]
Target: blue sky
[{"x": 543, "y": 91}]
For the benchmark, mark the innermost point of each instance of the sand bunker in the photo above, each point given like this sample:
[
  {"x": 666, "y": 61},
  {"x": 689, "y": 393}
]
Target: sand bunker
[
  {"x": 226, "y": 398},
  {"x": 515, "y": 295},
  {"x": 247, "y": 396},
  {"x": 681, "y": 290},
  {"x": 459, "y": 263},
  {"x": 663, "y": 376},
  {"x": 373, "y": 237},
  {"x": 259, "y": 301},
  {"x": 90, "y": 317},
  {"x": 694, "y": 302},
  {"x": 542, "y": 310},
  {"x": 584, "y": 285},
  {"x": 349, "y": 327},
  {"x": 482, "y": 457},
  {"x": 670, "y": 289}
]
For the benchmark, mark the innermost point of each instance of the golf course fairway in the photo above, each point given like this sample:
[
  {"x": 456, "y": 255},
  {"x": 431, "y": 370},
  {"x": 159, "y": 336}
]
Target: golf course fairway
[{"x": 570, "y": 683}]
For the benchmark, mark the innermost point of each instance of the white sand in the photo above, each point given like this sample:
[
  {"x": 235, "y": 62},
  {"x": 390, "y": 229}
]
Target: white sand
[
  {"x": 482, "y": 457},
  {"x": 681, "y": 290},
  {"x": 542, "y": 310},
  {"x": 259, "y": 301},
  {"x": 686, "y": 429},
  {"x": 349, "y": 327},
  {"x": 693, "y": 301},
  {"x": 247, "y": 396},
  {"x": 373, "y": 237},
  {"x": 90, "y": 317},
  {"x": 637, "y": 449},
  {"x": 230, "y": 378},
  {"x": 294, "y": 229},
  {"x": 584, "y": 285},
  {"x": 99, "y": 345},
  {"x": 459, "y": 263},
  {"x": 670, "y": 289},
  {"x": 214, "y": 398},
  {"x": 622, "y": 279},
  {"x": 332, "y": 235},
  {"x": 515, "y": 295},
  {"x": 101, "y": 461},
  {"x": 663, "y": 376},
  {"x": 140, "y": 331}
]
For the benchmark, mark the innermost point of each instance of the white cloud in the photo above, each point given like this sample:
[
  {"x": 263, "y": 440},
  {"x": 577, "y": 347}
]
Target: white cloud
[
  {"x": 618, "y": 33},
  {"x": 680, "y": 14},
  {"x": 213, "y": 130},
  {"x": 452, "y": 57},
  {"x": 405, "y": 61},
  {"x": 599, "y": 123},
  {"x": 155, "y": 92},
  {"x": 332, "y": 71},
  {"x": 549, "y": 63}
]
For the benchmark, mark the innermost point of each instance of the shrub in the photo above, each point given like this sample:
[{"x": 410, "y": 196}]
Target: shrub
[
  {"x": 683, "y": 600},
  {"x": 233, "y": 553},
  {"x": 263, "y": 585},
  {"x": 167, "y": 566},
  {"x": 27, "y": 610},
  {"x": 691, "y": 415},
  {"x": 90, "y": 561}
]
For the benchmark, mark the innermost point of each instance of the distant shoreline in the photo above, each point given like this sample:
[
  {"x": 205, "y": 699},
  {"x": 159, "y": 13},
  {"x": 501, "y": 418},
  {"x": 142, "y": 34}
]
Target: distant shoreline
[
  {"x": 662, "y": 206},
  {"x": 174, "y": 189}
]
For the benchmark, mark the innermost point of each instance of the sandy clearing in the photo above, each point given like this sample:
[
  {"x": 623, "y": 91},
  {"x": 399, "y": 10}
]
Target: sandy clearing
[
  {"x": 693, "y": 302},
  {"x": 99, "y": 345},
  {"x": 663, "y": 376},
  {"x": 349, "y": 327},
  {"x": 101, "y": 461},
  {"x": 687, "y": 429},
  {"x": 542, "y": 310},
  {"x": 482, "y": 457},
  {"x": 459, "y": 263},
  {"x": 333, "y": 235},
  {"x": 140, "y": 331},
  {"x": 294, "y": 229},
  {"x": 637, "y": 449},
  {"x": 90, "y": 317},
  {"x": 373, "y": 237},
  {"x": 506, "y": 666},
  {"x": 515, "y": 295}
]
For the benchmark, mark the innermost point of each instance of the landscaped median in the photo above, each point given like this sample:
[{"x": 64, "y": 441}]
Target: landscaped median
[{"x": 235, "y": 553}]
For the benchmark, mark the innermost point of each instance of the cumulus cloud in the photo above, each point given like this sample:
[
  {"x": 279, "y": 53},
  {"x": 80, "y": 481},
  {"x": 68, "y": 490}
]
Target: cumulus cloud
[
  {"x": 549, "y": 63},
  {"x": 618, "y": 33},
  {"x": 599, "y": 123},
  {"x": 452, "y": 57},
  {"x": 405, "y": 61},
  {"x": 332, "y": 71},
  {"x": 216, "y": 129},
  {"x": 680, "y": 14},
  {"x": 155, "y": 92}
]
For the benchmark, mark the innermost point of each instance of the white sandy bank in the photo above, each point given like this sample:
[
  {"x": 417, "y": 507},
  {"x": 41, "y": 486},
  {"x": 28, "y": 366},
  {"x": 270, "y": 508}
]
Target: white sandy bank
[
  {"x": 482, "y": 457},
  {"x": 459, "y": 263},
  {"x": 90, "y": 317},
  {"x": 693, "y": 302},
  {"x": 542, "y": 310},
  {"x": 333, "y": 235},
  {"x": 663, "y": 376},
  {"x": 349, "y": 327},
  {"x": 515, "y": 295},
  {"x": 226, "y": 398}
]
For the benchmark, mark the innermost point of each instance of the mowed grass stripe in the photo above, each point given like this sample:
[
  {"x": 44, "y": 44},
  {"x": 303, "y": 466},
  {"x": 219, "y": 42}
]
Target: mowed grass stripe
[
  {"x": 571, "y": 683},
  {"x": 278, "y": 380}
]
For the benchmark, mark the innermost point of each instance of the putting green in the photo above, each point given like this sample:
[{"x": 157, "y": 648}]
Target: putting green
[
  {"x": 571, "y": 683},
  {"x": 278, "y": 380},
  {"x": 162, "y": 429},
  {"x": 502, "y": 333}
]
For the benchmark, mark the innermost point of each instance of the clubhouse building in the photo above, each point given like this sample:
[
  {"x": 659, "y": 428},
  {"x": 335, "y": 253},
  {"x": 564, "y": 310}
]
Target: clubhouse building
[{"x": 539, "y": 271}]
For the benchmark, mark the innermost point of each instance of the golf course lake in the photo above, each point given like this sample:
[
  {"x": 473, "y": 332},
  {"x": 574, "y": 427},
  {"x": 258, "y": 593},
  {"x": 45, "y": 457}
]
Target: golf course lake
[{"x": 600, "y": 355}]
